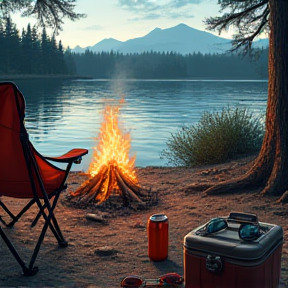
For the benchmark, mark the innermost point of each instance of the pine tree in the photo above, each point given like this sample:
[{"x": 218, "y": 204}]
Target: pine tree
[
  {"x": 62, "y": 68},
  {"x": 70, "y": 61},
  {"x": 12, "y": 48},
  {"x": 45, "y": 53},
  {"x": 36, "y": 51},
  {"x": 2, "y": 49},
  {"x": 27, "y": 51}
]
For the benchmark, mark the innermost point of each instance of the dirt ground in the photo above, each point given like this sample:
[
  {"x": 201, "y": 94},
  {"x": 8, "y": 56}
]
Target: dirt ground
[{"x": 101, "y": 254}]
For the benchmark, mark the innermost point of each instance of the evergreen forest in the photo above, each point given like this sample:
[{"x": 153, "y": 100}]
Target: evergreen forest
[
  {"x": 170, "y": 65},
  {"x": 32, "y": 53},
  {"x": 29, "y": 53}
]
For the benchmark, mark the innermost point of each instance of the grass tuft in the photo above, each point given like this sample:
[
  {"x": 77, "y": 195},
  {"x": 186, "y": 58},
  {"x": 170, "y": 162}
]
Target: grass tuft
[{"x": 216, "y": 138}]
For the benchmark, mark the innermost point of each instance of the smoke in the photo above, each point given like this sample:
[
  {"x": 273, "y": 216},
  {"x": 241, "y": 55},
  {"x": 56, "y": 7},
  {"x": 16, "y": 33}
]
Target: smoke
[{"x": 120, "y": 79}]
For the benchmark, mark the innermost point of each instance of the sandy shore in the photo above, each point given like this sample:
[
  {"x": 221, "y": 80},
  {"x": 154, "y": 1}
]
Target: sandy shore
[{"x": 101, "y": 254}]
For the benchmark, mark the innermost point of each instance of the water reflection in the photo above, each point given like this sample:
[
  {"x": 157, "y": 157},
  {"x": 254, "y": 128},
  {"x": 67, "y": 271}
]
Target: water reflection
[
  {"x": 64, "y": 114},
  {"x": 44, "y": 105}
]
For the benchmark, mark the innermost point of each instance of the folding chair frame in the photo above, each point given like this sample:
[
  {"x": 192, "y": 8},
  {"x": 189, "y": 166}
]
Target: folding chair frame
[{"x": 73, "y": 156}]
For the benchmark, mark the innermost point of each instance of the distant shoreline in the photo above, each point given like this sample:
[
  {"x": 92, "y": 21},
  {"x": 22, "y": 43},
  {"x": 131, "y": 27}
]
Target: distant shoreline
[
  {"x": 35, "y": 76},
  {"x": 79, "y": 77}
]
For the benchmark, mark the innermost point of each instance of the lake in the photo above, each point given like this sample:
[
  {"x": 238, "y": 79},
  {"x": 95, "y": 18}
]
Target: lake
[{"x": 66, "y": 114}]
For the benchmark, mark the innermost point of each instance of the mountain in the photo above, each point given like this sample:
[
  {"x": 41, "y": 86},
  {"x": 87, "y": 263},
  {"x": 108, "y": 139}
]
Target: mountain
[
  {"x": 181, "y": 39},
  {"x": 104, "y": 45}
]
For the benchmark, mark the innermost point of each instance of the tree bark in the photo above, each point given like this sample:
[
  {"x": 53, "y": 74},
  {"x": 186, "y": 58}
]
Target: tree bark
[
  {"x": 270, "y": 170},
  {"x": 277, "y": 105}
]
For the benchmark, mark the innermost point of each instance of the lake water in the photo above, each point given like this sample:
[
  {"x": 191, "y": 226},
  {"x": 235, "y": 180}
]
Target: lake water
[{"x": 66, "y": 114}]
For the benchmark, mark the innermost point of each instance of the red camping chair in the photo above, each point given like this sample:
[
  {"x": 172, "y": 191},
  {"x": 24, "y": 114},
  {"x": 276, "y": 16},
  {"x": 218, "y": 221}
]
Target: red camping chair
[{"x": 24, "y": 173}]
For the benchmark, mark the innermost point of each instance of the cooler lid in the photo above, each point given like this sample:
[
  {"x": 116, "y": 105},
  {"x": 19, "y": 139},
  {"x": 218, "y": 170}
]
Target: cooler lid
[{"x": 228, "y": 244}]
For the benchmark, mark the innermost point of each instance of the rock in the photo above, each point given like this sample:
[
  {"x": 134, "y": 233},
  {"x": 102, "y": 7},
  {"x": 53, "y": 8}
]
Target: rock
[
  {"x": 95, "y": 218},
  {"x": 105, "y": 251}
]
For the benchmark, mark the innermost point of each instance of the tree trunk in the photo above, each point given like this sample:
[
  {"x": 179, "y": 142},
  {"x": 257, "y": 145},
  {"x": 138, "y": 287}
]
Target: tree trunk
[
  {"x": 270, "y": 170},
  {"x": 276, "y": 139}
]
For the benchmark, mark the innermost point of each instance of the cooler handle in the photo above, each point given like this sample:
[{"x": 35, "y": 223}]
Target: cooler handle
[
  {"x": 246, "y": 217},
  {"x": 214, "y": 263}
]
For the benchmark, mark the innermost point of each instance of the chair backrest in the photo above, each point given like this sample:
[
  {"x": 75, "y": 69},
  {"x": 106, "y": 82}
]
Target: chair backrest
[{"x": 15, "y": 170}]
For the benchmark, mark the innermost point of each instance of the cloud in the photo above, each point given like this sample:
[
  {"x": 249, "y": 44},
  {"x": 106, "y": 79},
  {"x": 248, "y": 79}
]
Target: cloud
[
  {"x": 150, "y": 16},
  {"x": 154, "y": 9},
  {"x": 180, "y": 14},
  {"x": 94, "y": 27},
  {"x": 182, "y": 3},
  {"x": 137, "y": 5}
]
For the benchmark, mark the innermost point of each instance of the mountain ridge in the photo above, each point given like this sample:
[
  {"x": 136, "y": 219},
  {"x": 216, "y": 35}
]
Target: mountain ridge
[{"x": 181, "y": 39}]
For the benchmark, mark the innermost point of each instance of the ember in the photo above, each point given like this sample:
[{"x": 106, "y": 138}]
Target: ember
[{"x": 111, "y": 170}]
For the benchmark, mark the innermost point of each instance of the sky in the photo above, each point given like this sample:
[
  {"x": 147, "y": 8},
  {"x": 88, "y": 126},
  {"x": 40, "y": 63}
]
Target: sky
[{"x": 128, "y": 19}]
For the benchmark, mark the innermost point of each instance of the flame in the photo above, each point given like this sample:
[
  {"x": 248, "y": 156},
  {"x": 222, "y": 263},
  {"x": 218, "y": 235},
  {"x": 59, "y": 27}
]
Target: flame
[{"x": 112, "y": 151}]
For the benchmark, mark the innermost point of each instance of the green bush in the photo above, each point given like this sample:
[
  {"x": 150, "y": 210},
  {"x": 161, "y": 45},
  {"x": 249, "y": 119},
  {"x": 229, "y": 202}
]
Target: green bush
[{"x": 216, "y": 138}]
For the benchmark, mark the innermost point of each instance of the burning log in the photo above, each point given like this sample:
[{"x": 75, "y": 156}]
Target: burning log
[
  {"x": 128, "y": 191},
  {"x": 109, "y": 180}
]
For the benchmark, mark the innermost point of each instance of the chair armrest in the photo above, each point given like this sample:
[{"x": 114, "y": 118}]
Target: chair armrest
[{"x": 74, "y": 155}]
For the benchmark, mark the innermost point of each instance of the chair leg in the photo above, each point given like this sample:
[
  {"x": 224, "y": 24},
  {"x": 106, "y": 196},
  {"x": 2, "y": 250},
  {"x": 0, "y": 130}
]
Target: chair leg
[
  {"x": 11, "y": 215},
  {"x": 61, "y": 241},
  {"x": 15, "y": 218},
  {"x": 34, "y": 222},
  {"x": 51, "y": 222},
  {"x": 41, "y": 237},
  {"x": 53, "y": 225},
  {"x": 41, "y": 210},
  {"x": 57, "y": 232},
  {"x": 26, "y": 271}
]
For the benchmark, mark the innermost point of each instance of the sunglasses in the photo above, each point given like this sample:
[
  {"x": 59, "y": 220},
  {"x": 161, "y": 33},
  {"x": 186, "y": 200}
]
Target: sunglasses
[
  {"x": 134, "y": 281},
  {"x": 247, "y": 231}
]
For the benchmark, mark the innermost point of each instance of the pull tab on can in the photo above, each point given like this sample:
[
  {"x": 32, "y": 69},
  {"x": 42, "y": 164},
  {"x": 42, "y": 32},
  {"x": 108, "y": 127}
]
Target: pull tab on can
[{"x": 157, "y": 229}]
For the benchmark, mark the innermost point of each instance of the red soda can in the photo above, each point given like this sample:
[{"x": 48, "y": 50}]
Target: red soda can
[{"x": 157, "y": 229}]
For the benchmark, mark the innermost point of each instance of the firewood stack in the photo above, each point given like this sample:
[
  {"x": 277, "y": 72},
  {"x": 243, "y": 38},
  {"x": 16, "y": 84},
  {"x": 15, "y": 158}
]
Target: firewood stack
[{"x": 109, "y": 180}]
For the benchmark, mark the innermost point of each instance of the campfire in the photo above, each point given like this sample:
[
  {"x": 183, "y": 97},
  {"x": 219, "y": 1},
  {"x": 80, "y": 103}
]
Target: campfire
[{"x": 111, "y": 171}]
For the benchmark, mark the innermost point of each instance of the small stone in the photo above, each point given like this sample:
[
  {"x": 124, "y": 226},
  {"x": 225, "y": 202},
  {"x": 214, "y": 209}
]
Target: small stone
[
  {"x": 138, "y": 224},
  {"x": 105, "y": 251},
  {"x": 94, "y": 217}
]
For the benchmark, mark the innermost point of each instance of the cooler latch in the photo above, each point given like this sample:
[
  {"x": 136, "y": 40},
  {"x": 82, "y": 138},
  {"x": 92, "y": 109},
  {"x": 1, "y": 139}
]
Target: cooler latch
[{"x": 214, "y": 263}]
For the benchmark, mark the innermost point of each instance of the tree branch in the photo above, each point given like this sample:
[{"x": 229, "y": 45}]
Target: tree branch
[
  {"x": 247, "y": 41},
  {"x": 243, "y": 20},
  {"x": 228, "y": 19},
  {"x": 49, "y": 13}
]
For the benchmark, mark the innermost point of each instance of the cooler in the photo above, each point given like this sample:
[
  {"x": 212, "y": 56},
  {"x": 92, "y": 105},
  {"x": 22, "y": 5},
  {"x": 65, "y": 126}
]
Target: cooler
[{"x": 224, "y": 260}]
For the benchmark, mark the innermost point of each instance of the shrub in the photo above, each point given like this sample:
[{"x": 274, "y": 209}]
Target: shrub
[{"x": 216, "y": 138}]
